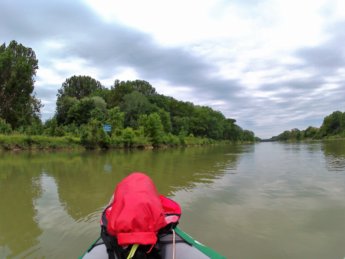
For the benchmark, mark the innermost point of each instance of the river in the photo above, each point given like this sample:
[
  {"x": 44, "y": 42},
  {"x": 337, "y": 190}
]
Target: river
[{"x": 268, "y": 200}]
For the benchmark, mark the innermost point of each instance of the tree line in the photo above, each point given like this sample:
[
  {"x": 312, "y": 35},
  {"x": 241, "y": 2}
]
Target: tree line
[
  {"x": 136, "y": 113},
  {"x": 333, "y": 126}
]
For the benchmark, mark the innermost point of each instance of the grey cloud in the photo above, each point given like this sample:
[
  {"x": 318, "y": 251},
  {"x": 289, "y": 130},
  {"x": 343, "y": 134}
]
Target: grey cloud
[
  {"x": 323, "y": 57},
  {"x": 130, "y": 48},
  {"x": 304, "y": 102},
  {"x": 328, "y": 56},
  {"x": 110, "y": 45},
  {"x": 38, "y": 19}
]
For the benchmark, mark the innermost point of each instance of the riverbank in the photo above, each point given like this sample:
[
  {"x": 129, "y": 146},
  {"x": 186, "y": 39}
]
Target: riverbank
[
  {"x": 28, "y": 142},
  {"x": 17, "y": 142}
]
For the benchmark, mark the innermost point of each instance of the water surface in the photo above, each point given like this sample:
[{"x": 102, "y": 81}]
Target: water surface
[{"x": 268, "y": 200}]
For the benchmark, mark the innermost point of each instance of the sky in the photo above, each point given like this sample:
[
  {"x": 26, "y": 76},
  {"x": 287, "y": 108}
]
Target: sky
[{"x": 273, "y": 65}]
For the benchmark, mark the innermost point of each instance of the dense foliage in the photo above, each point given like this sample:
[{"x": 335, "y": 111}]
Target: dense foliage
[
  {"x": 18, "y": 65},
  {"x": 136, "y": 113},
  {"x": 333, "y": 126}
]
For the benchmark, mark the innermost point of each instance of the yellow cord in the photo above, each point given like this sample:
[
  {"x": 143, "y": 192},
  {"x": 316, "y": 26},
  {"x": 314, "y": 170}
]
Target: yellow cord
[{"x": 132, "y": 252}]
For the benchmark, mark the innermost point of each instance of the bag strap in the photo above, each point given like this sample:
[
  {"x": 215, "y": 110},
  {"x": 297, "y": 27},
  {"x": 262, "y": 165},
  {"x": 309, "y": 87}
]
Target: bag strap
[{"x": 109, "y": 242}]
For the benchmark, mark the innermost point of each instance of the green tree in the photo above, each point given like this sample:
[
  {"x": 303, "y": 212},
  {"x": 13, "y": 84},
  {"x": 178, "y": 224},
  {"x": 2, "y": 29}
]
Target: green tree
[
  {"x": 34, "y": 128},
  {"x": 116, "y": 119},
  {"x": 180, "y": 124},
  {"x": 229, "y": 130},
  {"x": 133, "y": 106},
  {"x": 70, "y": 110},
  {"x": 333, "y": 124},
  {"x": 79, "y": 94},
  {"x": 128, "y": 137},
  {"x": 122, "y": 88},
  {"x": 248, "y": 135},
  {"x": 311, "y": 132},
  {"x": 165, "y": 119},
  {"x": 63, "y": 105},
  {"x": 18, "y": 104},
  {"x": 286, "y": 135},
  {"x": 295, "y": 134},
  {"x": 100, "y": 111},
  {"x": 80, "y": 112},
  {"x": 51, "y": 128},
  {"x": 207, "y": 123},
  {"x": 153, "y": 127},
  {"x": 5, "y": 128},
  {"x": 94, "y": 136},
  {"x": 79, "y": 87}
]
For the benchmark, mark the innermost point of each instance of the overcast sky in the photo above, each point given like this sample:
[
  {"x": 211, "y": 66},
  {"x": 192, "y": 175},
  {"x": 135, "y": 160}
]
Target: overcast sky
[{"x": 271, "y": 65}]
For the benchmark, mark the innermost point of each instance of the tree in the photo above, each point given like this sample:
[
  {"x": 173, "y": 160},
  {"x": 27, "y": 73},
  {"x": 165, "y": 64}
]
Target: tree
[
  {"x": 128, "y": 137},
  {"x": 80, "y": 112},
  {"x": 93, "y": 135},
  {"x": 180, "y": 125},
  {"x": 207, "y": 123},
  {"x": 51, "y": 128},
  {"x": 165, "y": 119},
  {"x": 229, "y": 132},
  {"x": 116, "y": 119},
  {"x": 122, "y": 88},
  {"x": 5, "y": 128},
  {"x": 100, "y": 111},
  {"x": 79, "y": 87},
  {"x": 63, "y": 105},
  {"x": 18, "y": 104},
  {"x": 333, "y": 124},
  {"x": 153, "y": 127},
  {"x": 133, "y": 105},
  {"x": 311, "y": 132},
  {"x": 248, "y": 135}
]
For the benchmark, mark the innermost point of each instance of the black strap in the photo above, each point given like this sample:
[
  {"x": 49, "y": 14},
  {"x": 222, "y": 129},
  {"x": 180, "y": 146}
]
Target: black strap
[{"x": 109, "y": 242}]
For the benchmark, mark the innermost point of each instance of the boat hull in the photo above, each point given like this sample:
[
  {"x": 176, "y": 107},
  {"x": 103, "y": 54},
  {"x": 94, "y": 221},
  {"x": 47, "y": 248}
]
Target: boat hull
[{"x": 184, "y": 247}]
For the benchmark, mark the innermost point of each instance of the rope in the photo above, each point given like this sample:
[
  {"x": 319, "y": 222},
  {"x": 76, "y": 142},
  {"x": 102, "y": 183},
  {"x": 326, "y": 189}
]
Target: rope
[
  {"x": 132, "y": 252},
  {"x": 174, "y": 243}
]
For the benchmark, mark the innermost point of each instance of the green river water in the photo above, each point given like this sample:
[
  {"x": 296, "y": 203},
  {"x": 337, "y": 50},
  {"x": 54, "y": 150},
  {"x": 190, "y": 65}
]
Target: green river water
[{"x": 268, "y": 200}]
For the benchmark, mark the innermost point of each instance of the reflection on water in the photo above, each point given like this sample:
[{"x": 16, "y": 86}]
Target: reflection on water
[
  {"x": 335, "y": 155},
  {"x": 50, "y": 201},
  {"x": 18, "y": 227},
  {"x": 268, "y": 200}
]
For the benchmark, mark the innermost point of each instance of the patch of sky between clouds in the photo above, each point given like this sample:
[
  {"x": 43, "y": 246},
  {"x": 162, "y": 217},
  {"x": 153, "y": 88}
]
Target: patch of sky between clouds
[
  {"x": 181, "y": 93},
  {"x": 60, "y": 68},
  {"x": 125, "y": 73}
]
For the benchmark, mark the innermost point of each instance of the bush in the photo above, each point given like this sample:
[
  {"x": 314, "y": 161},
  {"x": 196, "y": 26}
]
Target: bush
[
  {"x": 51, "y": 128},
  {"x": 34, "y": 128},
  {"x": 128, "y": 136},
  {"x": 170, "y": 139},
  {"x": 5, "y": 128},
  {"x": 93, "y": 135}
]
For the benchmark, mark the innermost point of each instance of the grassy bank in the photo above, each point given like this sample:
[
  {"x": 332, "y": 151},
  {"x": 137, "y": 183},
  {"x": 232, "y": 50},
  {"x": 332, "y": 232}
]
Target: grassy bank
[
  {"x": 40, "y": 142},
  {"x": 26, "y": 142}
]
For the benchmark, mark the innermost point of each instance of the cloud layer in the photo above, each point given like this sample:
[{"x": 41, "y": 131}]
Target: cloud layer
[{"x": 267, "y": 87}]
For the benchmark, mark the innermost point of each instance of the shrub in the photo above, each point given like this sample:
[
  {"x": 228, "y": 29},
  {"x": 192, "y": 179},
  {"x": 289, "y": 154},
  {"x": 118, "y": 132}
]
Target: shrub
[
  {"x": 5, "y": 128},
  {"x": 93, "y": 135}
]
